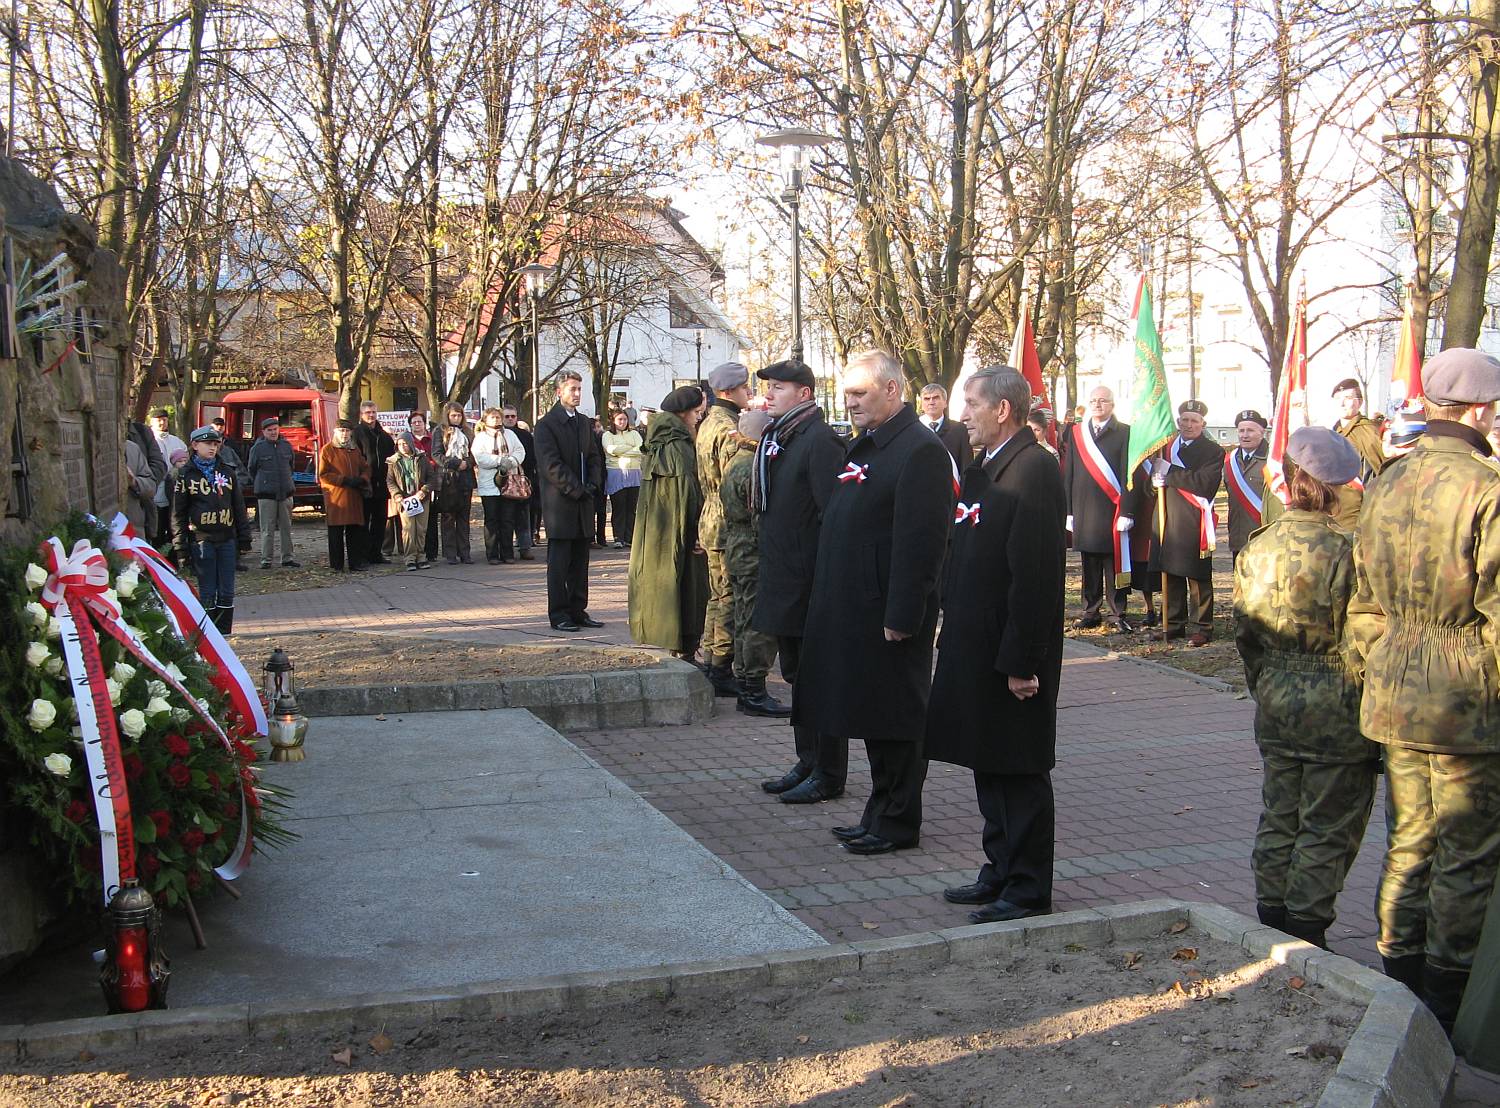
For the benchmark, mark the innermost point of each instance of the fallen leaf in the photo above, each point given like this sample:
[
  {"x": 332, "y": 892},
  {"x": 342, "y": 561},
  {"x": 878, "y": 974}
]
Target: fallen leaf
[
  {"x": 1185, "y": 954},
  {"x": 801, "y": 1038},
  {"x": 381, "y": 1042},
  {"x": 1249, "y": 1084},
  {"x": 380, "y": 718},
  {"x": 1074, "y": 948},
  {"x": 1177, "y": 988},
  {"x": 868, "y": 926},
  {"x": 1132, "y": 959},
  {"x": 1179, "y": 927},
  {"x": 343, "y": 1057},
  {"x": 85, "y": 1056},
  {"x": 1297, "y": 1051},
  {"x": 1296, "y": 982}
]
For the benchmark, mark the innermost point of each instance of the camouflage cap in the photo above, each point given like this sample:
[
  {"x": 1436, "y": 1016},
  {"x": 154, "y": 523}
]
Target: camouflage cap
[
  {"x": 1460, "y": 375},
  {"x": 1325, "y": 454}
]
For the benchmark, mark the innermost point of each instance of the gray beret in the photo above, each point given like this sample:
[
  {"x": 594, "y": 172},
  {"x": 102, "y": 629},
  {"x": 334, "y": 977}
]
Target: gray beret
[
  {"x": 753, "y": 422},
  {"x": 1325, "y": 454},
  {"x": 730, "y": 375},
  {"x": 1460, "y": 375}
]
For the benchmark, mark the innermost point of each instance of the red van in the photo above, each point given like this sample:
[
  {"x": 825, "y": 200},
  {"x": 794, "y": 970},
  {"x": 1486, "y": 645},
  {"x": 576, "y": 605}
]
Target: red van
[{"x": 307, "y": 420}]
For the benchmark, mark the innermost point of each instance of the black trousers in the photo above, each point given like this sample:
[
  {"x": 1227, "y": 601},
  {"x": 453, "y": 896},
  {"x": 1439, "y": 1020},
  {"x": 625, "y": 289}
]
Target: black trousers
[
  {"x": 567, "y": 578},
  {"x": 622, "y": 513},
  {"x": 1098, "y": 586},
  {"x": 347, "y": 542},
  {"x": 601, "y": 511},
  {"x": 375, "y": 509},
  {"x": 503, "y": 520},
  {"x": 825, "y": 757},
  {"x": 1177, "y": 613},
  {"x": 430, "y": 547},
  {"x": 1018, "y": 836},
  {"x": 898, "y": 771}
]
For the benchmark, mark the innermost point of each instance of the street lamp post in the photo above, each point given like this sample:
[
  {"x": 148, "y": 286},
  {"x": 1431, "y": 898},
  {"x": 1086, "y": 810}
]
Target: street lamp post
[
  {"x": 793, "y": 142},
  {"x": 534, "y": 277},
  {"x": 698, "y": 348}
]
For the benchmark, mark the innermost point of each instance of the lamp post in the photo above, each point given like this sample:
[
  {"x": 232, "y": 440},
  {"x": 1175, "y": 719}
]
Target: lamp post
[
  {"x": 534, "y": 277},
  {"x": 793, "y": 142},
  {"x": 698, "y": 348}
]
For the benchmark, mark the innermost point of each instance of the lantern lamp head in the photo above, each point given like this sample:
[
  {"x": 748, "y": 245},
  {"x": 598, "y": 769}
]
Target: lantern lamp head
[{"x": 287, "y": 725}]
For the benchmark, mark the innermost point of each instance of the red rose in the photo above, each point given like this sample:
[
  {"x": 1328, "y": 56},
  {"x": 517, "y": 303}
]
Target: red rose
[
  {"x": 76, "y": 811},
  {"x": 179, "y": 775},
  {"x": 177, "y": 746},
  {"x": 150, "y": 864},
  {"x": 245, "y": 751},
  {"x": 194, "y": 880},
  {"x": 232, "y": 809},
  {"x": 192, "y": 839},
  {"x": 163, "y": 821},
  {"x": 213, "y": 780},
  {"x": 134, "y": 767}
]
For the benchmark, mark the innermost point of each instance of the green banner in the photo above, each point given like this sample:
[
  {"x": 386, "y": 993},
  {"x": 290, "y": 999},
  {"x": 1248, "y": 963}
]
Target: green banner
[{"x": 1152, "y": 423}]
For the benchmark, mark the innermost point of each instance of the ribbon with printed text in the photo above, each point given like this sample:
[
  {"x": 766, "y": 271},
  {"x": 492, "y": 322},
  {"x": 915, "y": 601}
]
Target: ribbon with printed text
[
  {"x": 1207, "y": 523},
  {"x": 1103, "y": 475},
  {"x": 1241, "y": 489}
]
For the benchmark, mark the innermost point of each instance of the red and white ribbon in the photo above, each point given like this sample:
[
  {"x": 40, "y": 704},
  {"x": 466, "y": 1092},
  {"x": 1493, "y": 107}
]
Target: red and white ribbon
[
  {"x": 1240, "y": 487},
  {"x": 966, "y": 512},
  {"x": 1098, "y": 468},
  {"x": 1208, "y": 524},
  {"x": 859, "y": 474},
  {"x": 773, "y": 448}
]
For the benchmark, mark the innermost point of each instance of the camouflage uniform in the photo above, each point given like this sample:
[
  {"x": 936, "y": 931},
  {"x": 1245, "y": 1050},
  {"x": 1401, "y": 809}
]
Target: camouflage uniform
[
  {"x": 1425, "y": 625},
  {"x": 1292, "y": 584},
  {"x": 1364, "y": 435},
  {"x": 754, "y": 651},
  {"x": 714, "y": 440}
]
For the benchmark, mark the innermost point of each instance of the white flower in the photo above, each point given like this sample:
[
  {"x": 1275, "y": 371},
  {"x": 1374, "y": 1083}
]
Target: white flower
[
  {"x": 173, "y": 672},
  {"x": 36, "y": 577},
  {"x": 156, "y": 706},
  {"x": 128, "y": 582},
  {"x": 133, "y": 723},
  {"x": 156, "y": 689},
  {"x": 122, "y": 672},
  {"x": 36, "y": 654},
  {"x": 59, "y": 764},
  {"x": 54, "y": 666},
  {"x": 181, "y": 715},
  {"x": 36, "y": 613},
  {"x": 42, "y": 713},
  {"x": 112, "y": 597},
  {"x": 54, "y": 629},
  {"x": 113, "y": 688}
]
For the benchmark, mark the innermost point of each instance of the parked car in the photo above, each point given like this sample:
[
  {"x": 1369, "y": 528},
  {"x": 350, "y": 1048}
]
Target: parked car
[{"x": 307, "y": 419}]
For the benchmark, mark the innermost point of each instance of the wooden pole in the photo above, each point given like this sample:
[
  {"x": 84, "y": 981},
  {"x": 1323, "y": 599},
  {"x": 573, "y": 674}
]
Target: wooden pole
[{"x": 197, "y": 928}]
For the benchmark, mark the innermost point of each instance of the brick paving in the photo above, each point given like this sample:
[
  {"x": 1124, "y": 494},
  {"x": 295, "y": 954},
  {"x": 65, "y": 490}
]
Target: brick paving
[{"x": 1157, "y": 782}]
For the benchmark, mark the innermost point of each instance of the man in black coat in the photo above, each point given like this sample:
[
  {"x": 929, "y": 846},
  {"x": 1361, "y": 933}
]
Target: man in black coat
[
  {"x": 375, "y": 443},
  {"x": 1100, "y": 513},
  {"x": 935, "y": 416},
  {"x": 796, "y": 469},
  {"x": 526, "y": 511},
  {"x": 571, "y": 467},
  {"x": 867, "y": 650},
  {"x": 994, "y": 696},
  {"x": 1187, "y": 476}
]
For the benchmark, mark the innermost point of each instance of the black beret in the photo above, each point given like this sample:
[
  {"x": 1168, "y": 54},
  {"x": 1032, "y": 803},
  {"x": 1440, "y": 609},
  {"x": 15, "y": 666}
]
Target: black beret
[
  {"x": 1349, "y": 383},
  {"x": 1196, "y": 407},
  {"x": 1253, "y": 416},
  {"x": 1460, "y": 375},
  {"x": 796, "y": 372},
  {"x": 682, "y": 399}
]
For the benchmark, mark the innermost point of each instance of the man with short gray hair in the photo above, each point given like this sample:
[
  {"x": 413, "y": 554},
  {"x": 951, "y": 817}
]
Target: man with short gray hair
[
  {"x": 955, "y": 439},
  {"x": 570, "y": 463}
]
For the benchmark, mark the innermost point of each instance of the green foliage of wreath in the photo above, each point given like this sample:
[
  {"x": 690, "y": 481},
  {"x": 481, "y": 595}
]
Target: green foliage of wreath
[{"x": 185, "y": 786}]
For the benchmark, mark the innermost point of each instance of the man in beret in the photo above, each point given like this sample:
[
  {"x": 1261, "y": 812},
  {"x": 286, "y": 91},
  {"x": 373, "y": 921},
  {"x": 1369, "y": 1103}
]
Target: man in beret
[
  {"x": 1359, "y": 429},
  {"x": 1245, "y": 478},
  {"x": 730, "y": 384},
  {"x": 1423, "y": 624},
  {"x": 1186, "y": 479}
]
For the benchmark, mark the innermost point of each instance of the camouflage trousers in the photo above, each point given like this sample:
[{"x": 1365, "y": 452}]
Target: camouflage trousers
[
  {"x": 718, "y": 619},
  {"x": 1441, "y": 855},
  {"x": 1313, "y": 816},
  {"x": 754, "y": 651}
]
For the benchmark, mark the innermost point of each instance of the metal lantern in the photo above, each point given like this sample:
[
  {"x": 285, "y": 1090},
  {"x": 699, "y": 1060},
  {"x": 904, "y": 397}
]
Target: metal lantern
[
  {"x": 135, "y": 973},
  {"x": 287, "y": 726}
]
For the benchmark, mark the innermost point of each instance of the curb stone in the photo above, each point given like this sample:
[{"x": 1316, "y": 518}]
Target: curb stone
[
  {"x": 1398, "y": 1055},
  {"x": 670, "y": 692}
]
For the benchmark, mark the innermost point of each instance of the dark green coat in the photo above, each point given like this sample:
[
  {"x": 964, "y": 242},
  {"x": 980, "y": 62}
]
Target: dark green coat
[
  {"x": 668, "y": 581},
  {"x": 1292, "y": 584}
]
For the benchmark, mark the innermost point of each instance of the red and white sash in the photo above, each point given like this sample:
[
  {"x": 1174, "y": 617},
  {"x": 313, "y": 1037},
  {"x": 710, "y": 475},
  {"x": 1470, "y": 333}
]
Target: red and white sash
[
  {"x": 1241, "y": 489},
  {"x": 1207, "y": 524},
  {"x": 1104, "y": 476}
]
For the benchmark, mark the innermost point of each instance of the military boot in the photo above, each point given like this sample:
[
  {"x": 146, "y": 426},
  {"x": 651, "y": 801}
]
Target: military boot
[
  {"x": 226, "y": 620},
  {"x": 1272, "y": 915},
  {"x": 755, "y": 701},
  {"x": 1442, "y": 990},
  {"x": 1313, "y": 931},
  {"x": 720, "y": 674},
  {"x": 1408, "y": 969}
]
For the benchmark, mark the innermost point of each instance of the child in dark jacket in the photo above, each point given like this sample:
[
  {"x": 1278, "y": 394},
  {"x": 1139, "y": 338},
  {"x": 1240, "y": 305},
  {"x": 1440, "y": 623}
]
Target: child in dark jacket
[{"x": 211, "y": 524}]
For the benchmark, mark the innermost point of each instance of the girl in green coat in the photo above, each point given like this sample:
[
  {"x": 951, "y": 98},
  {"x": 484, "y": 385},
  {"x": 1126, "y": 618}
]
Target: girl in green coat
[{"x": 668, "y": 568}]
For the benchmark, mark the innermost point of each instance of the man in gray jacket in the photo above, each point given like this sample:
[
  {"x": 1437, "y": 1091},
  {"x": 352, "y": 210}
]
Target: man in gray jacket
[{"x": 271, "y": 478}]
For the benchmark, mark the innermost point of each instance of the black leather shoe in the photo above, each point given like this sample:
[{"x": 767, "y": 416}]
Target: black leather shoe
[
  {"x": 972, "y": 894},
  {"x": 1122, "y": 627},
  {"x": 788, "y": 780},
  {"x": 811, "y": 791},
  {"x": 874, "y": 844},
  {"x": 566, "y": 625},
  {"x": 848, "y": 834},
  {"x": 1151, "y": 620},
  {"x": 1086, "y": 623},
  {"x": 1002, "y": 910},
  {"x": 587, "y": 620}
]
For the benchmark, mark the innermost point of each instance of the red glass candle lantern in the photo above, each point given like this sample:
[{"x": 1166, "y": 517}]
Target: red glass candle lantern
[{"x": 135, "y": 973}]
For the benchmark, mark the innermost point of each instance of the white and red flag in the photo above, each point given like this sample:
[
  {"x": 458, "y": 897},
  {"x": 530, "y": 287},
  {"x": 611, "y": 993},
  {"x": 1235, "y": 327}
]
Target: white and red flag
[{"x": 1291, "y": 402}]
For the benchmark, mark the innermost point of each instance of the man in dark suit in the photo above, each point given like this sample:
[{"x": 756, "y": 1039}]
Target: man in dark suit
[
  {"x": 867, "y": 650},
  {"x": 1100, "y": 512},
  {"x": 376, "y": 444},
  {"x": 994, "y": 696},
  {"x": 796, "y": 468},
  {"x": 571, "y": 467},
  {"x": 1245, "y": 478},
  {"x": 935, "y": 416},
  {"x": 1188, "y": 475},
  {"x": 525, "y": 510}
]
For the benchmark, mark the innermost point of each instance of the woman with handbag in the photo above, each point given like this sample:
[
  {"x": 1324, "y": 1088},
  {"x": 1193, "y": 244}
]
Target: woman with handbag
[
  {"x": 622, "y": 475},
  {"x": 498, "y": 455},
  {"x": 409, "y": 478}
]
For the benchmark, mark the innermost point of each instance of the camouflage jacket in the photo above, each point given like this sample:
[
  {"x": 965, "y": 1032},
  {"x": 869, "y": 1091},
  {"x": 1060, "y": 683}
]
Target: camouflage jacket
[
  {"x": 714, "y": 437},
  {"x": 1364, "y": 435},
  {"x": 1425, "y": 619},
  {"x": 1292, "y": 583},
  {"x": 740, "y": 533}
]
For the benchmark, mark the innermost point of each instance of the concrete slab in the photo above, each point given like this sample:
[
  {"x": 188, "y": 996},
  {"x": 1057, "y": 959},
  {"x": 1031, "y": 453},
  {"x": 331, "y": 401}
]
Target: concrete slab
[{"x": 445, "y": 849}]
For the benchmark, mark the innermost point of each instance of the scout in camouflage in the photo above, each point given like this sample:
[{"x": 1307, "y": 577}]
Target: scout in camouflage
[
  {"x": 754, "y": 651},
  {"x": 1292, "y": 583},
  {"x": 1425, "y": 625},
  {"x": 730, "y": 385}
]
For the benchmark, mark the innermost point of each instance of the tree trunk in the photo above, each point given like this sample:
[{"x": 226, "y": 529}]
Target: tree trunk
[{"x": 1476, "y": 223}]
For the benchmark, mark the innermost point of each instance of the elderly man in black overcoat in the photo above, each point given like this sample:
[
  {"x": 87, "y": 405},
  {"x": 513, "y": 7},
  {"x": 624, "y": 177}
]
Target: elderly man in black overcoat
[
  {"x": 994, "y": 696},
  {"x": 867, "y": 649},
  {"x": 796, "y": 469},
  {"x": 1187, "y": 473},
  {"x": 1100, "y": 509},
  {"x": 571, "y": 467}
]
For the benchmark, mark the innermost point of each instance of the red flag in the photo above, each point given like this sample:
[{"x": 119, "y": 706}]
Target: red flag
[
  {"x": 1406, "y": 370},
  {"x": 1023, "y": 352},
  {"x": 1291, "y": 402}
]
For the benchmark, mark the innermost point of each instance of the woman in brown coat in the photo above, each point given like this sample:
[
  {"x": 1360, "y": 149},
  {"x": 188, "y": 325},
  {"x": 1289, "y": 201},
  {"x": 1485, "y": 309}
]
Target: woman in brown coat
[{"x": 345, "y": 477}]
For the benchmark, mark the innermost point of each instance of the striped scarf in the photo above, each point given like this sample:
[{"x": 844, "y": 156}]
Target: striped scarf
[{"x": 780, "y": 432}]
